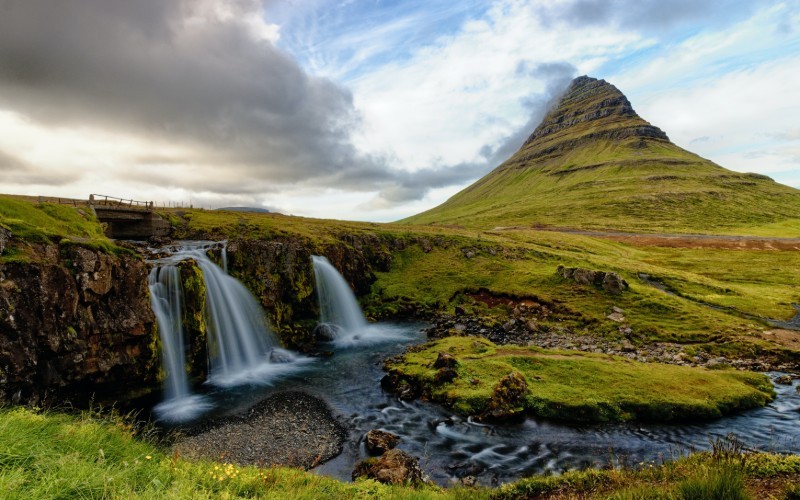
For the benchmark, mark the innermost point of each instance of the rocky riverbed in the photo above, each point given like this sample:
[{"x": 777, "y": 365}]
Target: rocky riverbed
[
  {"x": 525, "y": 328},
  {"x": 288, "y": 428}
]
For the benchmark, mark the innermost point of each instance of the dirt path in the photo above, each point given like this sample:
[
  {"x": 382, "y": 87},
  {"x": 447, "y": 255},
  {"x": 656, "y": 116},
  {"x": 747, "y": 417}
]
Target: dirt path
[{"x": 671, "y": 240}]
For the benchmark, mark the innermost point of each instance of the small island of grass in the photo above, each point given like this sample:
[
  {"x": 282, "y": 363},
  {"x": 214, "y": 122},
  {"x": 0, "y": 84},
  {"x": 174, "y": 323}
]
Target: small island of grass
[{"x": 475, "y": 377}]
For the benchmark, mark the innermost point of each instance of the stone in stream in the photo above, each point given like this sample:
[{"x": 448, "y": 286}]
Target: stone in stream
[
  {"x": 393, "y": 467},
  {"x": 326, "y": 332},
  {"x": 379, "y": 442}
]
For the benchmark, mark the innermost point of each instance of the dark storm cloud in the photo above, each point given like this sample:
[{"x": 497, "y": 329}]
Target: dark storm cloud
[
  {"x": 176, "y": 71},
  {"x": 244, "y": 115},
  {"x": 647, "y": 14},
  {"x": 556, "y": 77}
]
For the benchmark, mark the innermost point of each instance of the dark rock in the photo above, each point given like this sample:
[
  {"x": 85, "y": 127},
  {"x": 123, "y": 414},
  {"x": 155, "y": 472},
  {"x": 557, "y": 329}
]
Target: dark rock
[
  {"x": 508, "y": 398},
  {"x": 5, "y": 236},
  {"x": 784, "y": 380},
  {"x": 445, "y": 375},
  {"x": 379, "y": 442},
  {"x": 326, "y": 332},
  {"x": 460, "y": 311},
  {"x": 280, "y": 356},
  {"x": 444, "y": 360},
  {"x": 393, "y": 467},
  {"x": 611, "y": 282},
  {"x": 75, "y": 321}
]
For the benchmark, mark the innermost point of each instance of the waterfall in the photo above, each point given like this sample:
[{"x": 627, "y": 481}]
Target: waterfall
[
  {"x": 337, "y": 303},
  {"x": 241, "y": 346},
  {"x": 341, "y": 319},
  {"x": 166, "y": 299}
]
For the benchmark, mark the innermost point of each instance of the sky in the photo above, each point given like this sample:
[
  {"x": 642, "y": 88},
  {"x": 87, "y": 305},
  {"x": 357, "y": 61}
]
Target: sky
[{"x": 368, "y": 109}]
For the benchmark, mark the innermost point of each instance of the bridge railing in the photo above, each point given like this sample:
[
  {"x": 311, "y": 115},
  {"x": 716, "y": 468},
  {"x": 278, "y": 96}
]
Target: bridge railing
[{"x": 113, "y": 201}]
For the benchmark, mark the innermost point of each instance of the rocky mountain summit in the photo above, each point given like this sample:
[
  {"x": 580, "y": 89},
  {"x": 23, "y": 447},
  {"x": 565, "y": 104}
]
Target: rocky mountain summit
[{"x": 594, "y": 163}]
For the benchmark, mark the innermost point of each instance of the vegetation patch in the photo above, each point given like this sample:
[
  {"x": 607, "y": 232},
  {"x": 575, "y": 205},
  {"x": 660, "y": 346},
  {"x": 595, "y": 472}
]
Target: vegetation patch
[
  {"x": 571, "y": 385},
  {"x": 46, "y": 223}
]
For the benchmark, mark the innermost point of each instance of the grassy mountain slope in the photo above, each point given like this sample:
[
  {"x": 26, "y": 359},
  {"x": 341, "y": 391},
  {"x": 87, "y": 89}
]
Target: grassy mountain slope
[{"x": 593, "y": 163}]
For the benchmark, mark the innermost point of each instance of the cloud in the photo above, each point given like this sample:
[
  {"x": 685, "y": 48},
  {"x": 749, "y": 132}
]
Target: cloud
[
  {"x": 646, "y": 15},
  {"x": 414, "y": 185},
  {"x": 16, "y": 171},
  {"x": 202, "y": 75}
]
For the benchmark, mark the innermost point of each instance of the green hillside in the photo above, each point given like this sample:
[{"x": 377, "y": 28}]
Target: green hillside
[{"x": 593, "y": 163}]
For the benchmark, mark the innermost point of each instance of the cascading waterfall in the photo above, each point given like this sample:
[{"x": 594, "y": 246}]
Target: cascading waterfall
[
  {"x": 337, "y": 303},
  {"x": 242, "y": 348},
  {"x": 166, "y": 299},
  {"x": 341, "y": 319}
]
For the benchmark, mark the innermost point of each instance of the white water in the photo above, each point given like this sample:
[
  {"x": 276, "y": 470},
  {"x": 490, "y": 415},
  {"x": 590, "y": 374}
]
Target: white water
[
  {"x": 166, "y": 298},
  {"x": 338, "y": 306},
  {"x": 242, "y": 349}
]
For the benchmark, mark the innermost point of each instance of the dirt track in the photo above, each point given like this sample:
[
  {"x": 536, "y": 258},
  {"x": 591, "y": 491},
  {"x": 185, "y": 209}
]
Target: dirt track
[{"x": 691, "y": 240}]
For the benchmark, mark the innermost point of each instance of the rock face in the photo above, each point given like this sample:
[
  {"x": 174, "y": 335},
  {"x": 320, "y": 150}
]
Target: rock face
[
  {"x": 611, "y": 282},
  {"x": 74, "y": 321},
  {"x": 393, "y": 467},
  {"x": 280, "y": 274},
  {"x": 586, "y": 102}
]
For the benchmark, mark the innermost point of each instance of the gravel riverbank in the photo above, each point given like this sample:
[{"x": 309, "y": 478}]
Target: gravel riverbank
[{"x": 288, "y": 428}]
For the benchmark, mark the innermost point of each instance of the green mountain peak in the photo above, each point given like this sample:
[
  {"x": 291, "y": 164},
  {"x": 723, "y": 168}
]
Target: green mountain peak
[{"x": 593, "y": 163}]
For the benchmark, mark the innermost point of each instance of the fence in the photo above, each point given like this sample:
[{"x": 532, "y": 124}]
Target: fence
[{"x": 113, "y": 201}]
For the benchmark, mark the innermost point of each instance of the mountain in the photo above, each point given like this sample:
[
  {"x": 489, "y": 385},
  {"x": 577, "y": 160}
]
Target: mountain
[{"x": 593, "y": 163}]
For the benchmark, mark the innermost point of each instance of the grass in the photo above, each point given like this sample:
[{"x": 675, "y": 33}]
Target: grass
[
  {"x": 55, "y": 455},
  {"x": 45, "y": 223},
  {"x": 576, "y": 386},
  {"x": 744, "y": 285},
  {"x": 47, "y": 455}
]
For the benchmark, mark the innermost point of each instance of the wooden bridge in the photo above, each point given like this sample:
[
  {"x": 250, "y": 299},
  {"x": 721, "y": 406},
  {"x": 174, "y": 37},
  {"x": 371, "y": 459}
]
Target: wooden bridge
[{"x": 128, "y": 219}]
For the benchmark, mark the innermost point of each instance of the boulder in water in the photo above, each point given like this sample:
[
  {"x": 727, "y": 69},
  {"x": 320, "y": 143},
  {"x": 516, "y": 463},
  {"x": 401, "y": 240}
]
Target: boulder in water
[
  {"x": 379, "y": 442},
  {"x": 393, "y": 467},
  {"x": 326, "y": 332},
  {"x": 280, "y": 356}
]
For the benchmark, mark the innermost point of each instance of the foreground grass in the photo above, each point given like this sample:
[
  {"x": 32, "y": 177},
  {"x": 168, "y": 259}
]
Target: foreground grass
[
  {"x": 571, "y": 385},
  {"x": 53, "y": 455}
]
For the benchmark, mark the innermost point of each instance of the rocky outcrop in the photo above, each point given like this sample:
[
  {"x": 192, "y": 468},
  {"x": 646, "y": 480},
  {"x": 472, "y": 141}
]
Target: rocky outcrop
[
  {"x": 280, "y": 273},
  {"x": 611, "y": 282},
  {"x": 74, "y": 321}
]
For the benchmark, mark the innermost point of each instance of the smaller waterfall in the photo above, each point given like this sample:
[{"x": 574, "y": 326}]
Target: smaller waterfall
[
  {"x": 166, "y": 298},
  {"x": 337, "y": 303},
  {"x": 341, "y": 319}
]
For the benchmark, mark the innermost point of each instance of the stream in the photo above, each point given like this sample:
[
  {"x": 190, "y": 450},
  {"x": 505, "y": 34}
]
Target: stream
[{"x": 450, "y": 447}]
